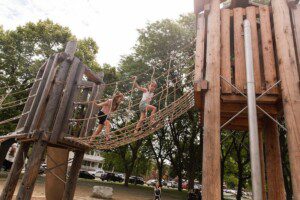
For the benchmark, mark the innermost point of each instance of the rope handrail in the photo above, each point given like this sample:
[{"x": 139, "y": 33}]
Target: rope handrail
[
  {"x": 181, "y": 105},
  {"x": 12, "y": 119},
  {"x": 18, "y": 85},
  {"x": 160, "y": 76},
  {"x": 134, "y": 105}
]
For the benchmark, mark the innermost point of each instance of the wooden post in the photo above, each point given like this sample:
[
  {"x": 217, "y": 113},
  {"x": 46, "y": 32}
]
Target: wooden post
[
  {"x": 90, "y": 111},
  {"x": 73, "y": 175},
  {"x": 67, "y": 102},
  {"x": 38, "y": 96},
  {"x": 31, "y": 98},
  {"x": 14, "y": 174},
  {"x": 211, "y": 147},
  {"x": 54, "y": 187},
  {"x": 295, "y": 11},
  {"x": 262, "y": 163},
  {"x": 289, "y": 86},
  {"x": 275, "y": 181},
  {"x": 32, "y": 170}
]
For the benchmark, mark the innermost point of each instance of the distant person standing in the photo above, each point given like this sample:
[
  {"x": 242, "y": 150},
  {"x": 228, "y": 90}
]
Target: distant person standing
[
  {"x": 157, "y": 192},
  {"x": 10, "y": 157}
]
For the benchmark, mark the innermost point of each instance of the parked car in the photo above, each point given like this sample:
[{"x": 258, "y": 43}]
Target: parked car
[
  {"x": 151, "y": 182},
  {"x": 121, "y": 175},
  {"x": 85, "y": 174},
  {"x": 172, "y": 184},
  {"x": 109, "y": 176},
  {"x": 136, "y": 180},
  {"x": 98, "y": 173}
]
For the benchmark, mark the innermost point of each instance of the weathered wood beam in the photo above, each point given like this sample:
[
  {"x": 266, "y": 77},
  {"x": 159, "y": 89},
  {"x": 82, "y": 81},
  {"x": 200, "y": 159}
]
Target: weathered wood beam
[
  {"x": 199, "y": 60},
  {"x": 73, "y": 175},
  {"x": 32, "y": 170},
  {"x": 275, "y": 181},
  {"x": 92, "y": 76},
  {"x": 59, "y": 98},
  {"x": 38, "y": 96},
  {"x": 290, "y": 89},
  {"x": 211, "y": 179},
  {"x": 14, "y": 174},
  {"x": 31, "y": 97}
]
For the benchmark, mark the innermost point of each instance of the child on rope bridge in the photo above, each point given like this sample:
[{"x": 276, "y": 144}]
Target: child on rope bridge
[
  {"x": 108, "y": 106},
  {"x": 145, "y": 105}
]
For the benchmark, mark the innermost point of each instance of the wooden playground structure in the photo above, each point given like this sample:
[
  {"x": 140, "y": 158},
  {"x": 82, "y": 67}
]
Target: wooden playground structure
[
  {"x": 220, "y": 90},
  {"x": 221, "y": 85}
]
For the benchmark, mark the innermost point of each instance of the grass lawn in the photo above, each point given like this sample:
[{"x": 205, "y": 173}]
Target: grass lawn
[{"x": 84, "y": 189}]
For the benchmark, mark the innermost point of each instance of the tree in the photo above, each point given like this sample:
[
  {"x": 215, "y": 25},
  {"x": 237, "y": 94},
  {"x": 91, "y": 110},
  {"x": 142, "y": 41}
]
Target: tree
[{"x": 159, "y": 144}]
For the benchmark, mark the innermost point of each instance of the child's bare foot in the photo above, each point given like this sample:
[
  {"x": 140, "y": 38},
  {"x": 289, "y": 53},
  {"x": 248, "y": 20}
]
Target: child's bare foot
[{"x": 107, "y": 137}]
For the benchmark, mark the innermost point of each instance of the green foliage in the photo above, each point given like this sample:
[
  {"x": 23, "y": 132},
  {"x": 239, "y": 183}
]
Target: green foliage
[{"x": 22, "y": 52}]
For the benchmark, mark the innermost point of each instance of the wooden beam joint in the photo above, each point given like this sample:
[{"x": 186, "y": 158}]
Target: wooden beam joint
[{"x": 201, "y": 86}]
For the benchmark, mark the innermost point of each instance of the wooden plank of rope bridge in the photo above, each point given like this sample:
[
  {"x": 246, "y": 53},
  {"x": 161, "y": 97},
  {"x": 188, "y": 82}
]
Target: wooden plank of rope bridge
[
  {"x": 290, "y": 89},
  {"x": 251, "y": 16},
  {"x": 30, "y": 99},
  {"x": 13, "y": 176},
  {"x": 295, "y": 11},
  {"x": 267, "y": 48},
  {"x": 211, "y": 144},
  {"x": 225, "y": 50},
  {"x": 239, "y": 51},
  {"x": 275, "y": 179}
]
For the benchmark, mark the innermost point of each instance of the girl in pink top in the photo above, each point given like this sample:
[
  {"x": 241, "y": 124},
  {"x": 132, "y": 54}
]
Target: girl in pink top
[{"x": 108, "y": 106}]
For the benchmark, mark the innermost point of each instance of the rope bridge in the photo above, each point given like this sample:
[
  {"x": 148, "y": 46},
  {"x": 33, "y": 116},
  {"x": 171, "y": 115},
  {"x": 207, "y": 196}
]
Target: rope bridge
[
  {"x": 129, "y": 133},
  {"x": 172, "y": 99}
]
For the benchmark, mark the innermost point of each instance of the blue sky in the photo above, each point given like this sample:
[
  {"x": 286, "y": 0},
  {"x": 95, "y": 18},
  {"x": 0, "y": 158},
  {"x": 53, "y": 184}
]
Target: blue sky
[{"x": 111, "y": 23}]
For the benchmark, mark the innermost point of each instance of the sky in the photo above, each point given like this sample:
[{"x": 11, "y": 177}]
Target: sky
[{"x": 112, "y": 24}]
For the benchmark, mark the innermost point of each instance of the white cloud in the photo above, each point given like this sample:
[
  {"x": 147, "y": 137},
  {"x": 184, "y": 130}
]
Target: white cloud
[{"x": 111, "y": 23}]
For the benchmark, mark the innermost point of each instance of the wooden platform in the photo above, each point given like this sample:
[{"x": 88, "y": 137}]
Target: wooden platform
[{"x": 233, "y": 67}]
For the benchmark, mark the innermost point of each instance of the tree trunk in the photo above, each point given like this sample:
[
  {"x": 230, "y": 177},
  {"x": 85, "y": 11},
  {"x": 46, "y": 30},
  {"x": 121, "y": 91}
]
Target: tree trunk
[
  {"x": 127, "y": 175},
  {"x": 179, "y": 174},
  {"x": 240, "y": 187},
  {"x": 160, "y": 172},
  {"x": 222, "y": 176}
]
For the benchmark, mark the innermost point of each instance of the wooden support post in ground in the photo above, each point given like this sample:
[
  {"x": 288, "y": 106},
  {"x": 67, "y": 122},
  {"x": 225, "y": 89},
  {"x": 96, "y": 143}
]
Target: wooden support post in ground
[
  {"x": 290, "y": 89},
  {"x": 54, "y": 185},
  {"x": 32, "y": 170},
  {"x": 13, "y": 177},
  {"x": 211, "y": 147},
  {"x": 275, "y": 182},
  {"x": 262, "y": 163},
  {"x": 73, "y": 175}
]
